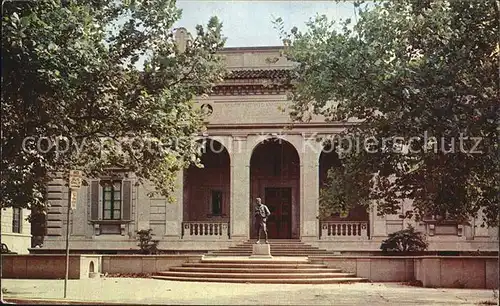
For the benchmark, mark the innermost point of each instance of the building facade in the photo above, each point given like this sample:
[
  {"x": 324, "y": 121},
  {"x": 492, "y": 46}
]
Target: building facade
[
  {"x": 16, "y": 230},
  {"x": 251, "y": 149}
]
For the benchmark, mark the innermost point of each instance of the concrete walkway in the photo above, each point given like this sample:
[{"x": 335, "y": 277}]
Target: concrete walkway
[{"x": 151, "y": 291}]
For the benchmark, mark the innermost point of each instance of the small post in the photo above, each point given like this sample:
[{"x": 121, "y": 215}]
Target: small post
[{"x": 67, "y": 243}]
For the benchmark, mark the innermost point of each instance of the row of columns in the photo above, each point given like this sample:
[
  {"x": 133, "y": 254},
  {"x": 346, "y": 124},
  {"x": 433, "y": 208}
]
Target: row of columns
[{"x": 240, "y": 149}]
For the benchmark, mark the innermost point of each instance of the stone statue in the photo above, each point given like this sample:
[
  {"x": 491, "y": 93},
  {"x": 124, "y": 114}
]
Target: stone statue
[{"x": 261, "y": 214}]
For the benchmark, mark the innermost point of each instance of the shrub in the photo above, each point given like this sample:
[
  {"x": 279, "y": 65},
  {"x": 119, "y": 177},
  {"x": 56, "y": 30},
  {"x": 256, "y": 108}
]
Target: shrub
[
  {"x": 146, "y": 242},
  {"x": 407, "y": 240}
]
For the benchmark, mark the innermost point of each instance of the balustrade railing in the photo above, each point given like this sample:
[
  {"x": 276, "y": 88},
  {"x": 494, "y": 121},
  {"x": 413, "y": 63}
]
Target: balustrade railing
[
  {"x": 205, "y": 230},
  {"x": 344, "y": 230}
]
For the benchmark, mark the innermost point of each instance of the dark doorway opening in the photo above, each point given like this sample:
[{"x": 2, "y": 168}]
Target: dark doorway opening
[
  {"x": 275, "y": 178},
  {"x": 279, "y": 202}
]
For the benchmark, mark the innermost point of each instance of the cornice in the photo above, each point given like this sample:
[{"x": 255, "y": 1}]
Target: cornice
[
  {"x": 281, "y": 125},
  {"x": 250, "y": 89}
]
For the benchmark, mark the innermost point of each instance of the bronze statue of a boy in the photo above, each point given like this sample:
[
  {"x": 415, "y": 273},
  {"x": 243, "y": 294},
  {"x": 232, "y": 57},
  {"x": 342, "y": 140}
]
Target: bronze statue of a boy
[{"x": 261, "y": 214}]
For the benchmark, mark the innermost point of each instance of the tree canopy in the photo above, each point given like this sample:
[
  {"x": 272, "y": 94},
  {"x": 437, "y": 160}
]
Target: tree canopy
[
  {"x": 96, "y": 85},
  {"x": 421, "y": 77}
]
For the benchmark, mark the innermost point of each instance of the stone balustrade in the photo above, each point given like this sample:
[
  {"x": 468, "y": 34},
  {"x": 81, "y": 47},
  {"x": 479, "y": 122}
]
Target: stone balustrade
[
  {"x": 202, "y": 230},
  {"x": 344, "y": 230}
]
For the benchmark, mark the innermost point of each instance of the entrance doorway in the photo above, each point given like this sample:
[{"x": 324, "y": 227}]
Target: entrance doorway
[
  {"x": 275, "y": 178},
  {"x": 279, "y": 202}
]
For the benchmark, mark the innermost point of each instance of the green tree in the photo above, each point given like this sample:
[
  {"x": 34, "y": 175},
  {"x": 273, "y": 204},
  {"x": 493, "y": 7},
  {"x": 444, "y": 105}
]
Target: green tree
[
  {"x": 93, "y": 74},
  {"x": 407, "y": 71}
]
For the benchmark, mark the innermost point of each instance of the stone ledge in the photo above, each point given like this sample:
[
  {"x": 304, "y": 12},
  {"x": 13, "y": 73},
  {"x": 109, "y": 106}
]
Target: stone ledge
[
  {"x": 432, "y": 271},
  {"x": 48, "y": 266}
]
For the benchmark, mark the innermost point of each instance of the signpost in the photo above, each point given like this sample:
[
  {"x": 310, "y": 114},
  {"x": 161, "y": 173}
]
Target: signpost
[
  {"x": 75, "y": 179},
  {"x": 75, "y": 182},
  {"x": 74, "y": 198}
]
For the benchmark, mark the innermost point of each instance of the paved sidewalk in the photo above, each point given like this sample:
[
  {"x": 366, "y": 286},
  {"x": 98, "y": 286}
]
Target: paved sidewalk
[{"x": 151, "y": 291}]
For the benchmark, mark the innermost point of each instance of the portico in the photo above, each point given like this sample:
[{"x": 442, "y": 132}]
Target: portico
[{"x": 285, "y": 171}]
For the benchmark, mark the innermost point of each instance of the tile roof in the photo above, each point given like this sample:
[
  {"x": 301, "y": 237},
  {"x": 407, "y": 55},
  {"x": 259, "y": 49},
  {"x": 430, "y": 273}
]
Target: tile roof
[{"x": 259, "y": 74}]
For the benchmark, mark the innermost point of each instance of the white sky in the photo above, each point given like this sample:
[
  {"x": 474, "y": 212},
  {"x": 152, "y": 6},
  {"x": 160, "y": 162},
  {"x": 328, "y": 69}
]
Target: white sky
[{"x": 249, "y": 23}]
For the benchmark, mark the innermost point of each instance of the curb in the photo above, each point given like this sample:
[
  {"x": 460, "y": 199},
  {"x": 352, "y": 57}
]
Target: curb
[{"x": 35, "y": 301}]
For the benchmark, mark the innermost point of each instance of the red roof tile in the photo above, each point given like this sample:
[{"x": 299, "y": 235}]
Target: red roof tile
[{"x": 259, "y": 74}]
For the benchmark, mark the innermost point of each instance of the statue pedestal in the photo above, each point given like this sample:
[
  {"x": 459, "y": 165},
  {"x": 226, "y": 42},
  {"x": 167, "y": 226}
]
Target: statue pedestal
[{"x": 261, "y": 251}]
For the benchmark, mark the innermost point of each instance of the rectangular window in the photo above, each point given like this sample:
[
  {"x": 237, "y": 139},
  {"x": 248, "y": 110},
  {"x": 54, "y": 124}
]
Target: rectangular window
[
  {"x": 16, "y": 220},
  {"x": 111, "y": 200},
  {"x": 216, "y": 202}
]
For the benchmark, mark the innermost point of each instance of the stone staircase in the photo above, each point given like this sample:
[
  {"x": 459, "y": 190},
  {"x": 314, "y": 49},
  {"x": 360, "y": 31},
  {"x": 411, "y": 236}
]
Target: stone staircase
[
  {"x": 290, "y": 265},
  {"x": 264, "y": 271},
  {"x": 279, "y": 247}
]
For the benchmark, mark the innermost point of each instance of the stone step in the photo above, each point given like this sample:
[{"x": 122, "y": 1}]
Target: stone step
[
  {"x": 273, "y": 253},
  {"x": 281, "y": 255},
  {"x": 276, "y": 240},
  {"x": 333, "y": 280},
  {"x": 253, "y": 265},
  {"x": 289, "y": 266},
  {"x": 249, "y": 246},
  {"x": 276, "y": 243},
  {"x": 275, "y": 250},
  {"x": 276, "y": 254},
  {"x": 255, "y": 270},
  {"x": 275, "y": 247},
  {"x": 253, "y": 275},
  {"x": 291, "y": 260}
]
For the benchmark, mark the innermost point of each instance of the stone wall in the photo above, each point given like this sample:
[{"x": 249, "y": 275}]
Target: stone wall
[
  {"x": 144, "y": 263},
  {"x": 457, "y": 272},
  {"x": 85, "y": 266},
  {"x": 242, "y": 111},
  {"x": 50, "y": 266},
  {"x": 432, "y": 271},
  {"x": 255, "y": 58}
]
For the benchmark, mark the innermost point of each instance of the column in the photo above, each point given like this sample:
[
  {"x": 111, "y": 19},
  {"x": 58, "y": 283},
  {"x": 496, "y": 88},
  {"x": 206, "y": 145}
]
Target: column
[
  {"x": 142, "y": 209},
  {"x": 479, "y": 231},
  {"x": 240, "y": 189},
  {"x": 378, "y": 224},
  {"x": 174, "y": 210},
  {"x": 309, "y": 189}
]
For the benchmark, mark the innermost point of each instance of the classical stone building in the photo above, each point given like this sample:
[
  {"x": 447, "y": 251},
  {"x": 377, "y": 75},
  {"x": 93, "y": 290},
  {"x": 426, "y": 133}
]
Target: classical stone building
[
  {"x": 16, "y": 230},
  {"x": 252, "y": 150}
]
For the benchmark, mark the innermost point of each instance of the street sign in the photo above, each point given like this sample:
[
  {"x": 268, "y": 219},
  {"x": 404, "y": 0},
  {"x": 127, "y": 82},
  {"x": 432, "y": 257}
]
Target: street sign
[
  {"x": 74, "y": 199},
  {"x": 75, "y": 179},
  {"x": 75, "y": 173}
]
